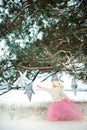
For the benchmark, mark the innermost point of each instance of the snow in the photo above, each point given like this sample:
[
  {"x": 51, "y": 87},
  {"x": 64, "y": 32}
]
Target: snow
[
  {"x": 81, "y": 96},
  {"x": 38, "y": 98},
  {"x": 17, "y": 113},
  {"x": 42, "y": 125}
]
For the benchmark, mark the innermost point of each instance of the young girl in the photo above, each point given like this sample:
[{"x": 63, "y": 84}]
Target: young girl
[{"x": 62, "y": 108}]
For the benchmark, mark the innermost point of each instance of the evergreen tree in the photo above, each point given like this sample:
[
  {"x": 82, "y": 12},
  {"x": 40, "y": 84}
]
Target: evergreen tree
[{"x": 43, "y": 36}]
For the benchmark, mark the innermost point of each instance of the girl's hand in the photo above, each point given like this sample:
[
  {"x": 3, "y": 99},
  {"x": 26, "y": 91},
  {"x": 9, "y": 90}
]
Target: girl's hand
[{"x": 39, "y": 86}]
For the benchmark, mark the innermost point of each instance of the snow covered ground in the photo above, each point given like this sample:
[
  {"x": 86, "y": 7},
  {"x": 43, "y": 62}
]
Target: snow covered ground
[
  {"x": 43, "y": 125},
  {"x": 39, "y": 97},
  {"x": 17, "y": 113}
]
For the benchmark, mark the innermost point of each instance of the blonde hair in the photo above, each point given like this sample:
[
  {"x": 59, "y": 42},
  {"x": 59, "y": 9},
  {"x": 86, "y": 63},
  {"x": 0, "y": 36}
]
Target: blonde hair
[{"x": 57, "y": 84}]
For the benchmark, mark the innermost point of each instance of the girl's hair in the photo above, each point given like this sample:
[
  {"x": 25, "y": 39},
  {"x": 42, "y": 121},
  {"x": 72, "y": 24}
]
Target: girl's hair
[{"x": 57, "y": 84}]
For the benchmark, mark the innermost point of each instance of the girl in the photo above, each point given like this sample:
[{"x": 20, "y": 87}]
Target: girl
[{"x": 62, "y": 108}]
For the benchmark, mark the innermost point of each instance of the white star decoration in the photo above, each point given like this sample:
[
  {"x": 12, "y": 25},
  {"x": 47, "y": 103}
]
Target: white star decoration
[{"x": 29, "y": 91}]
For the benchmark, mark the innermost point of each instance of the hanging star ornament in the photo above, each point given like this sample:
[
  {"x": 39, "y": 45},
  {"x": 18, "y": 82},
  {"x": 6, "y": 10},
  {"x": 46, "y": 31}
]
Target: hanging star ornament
[
  {"x": 7, "y": 84},
  {"x": 22, "y": 79},
  {"x": 29, "y": 91},
  {"x": 74, "y": 85},
  {"x": 55, "y": 78}
]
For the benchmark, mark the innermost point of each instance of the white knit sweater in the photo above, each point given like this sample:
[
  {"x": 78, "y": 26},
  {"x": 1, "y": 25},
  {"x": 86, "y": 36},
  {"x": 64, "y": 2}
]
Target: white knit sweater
[{"x": 56, "y": 93}]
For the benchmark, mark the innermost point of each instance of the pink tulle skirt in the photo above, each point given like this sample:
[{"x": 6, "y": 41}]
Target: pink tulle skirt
[{"x": 64, "y": 110}]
